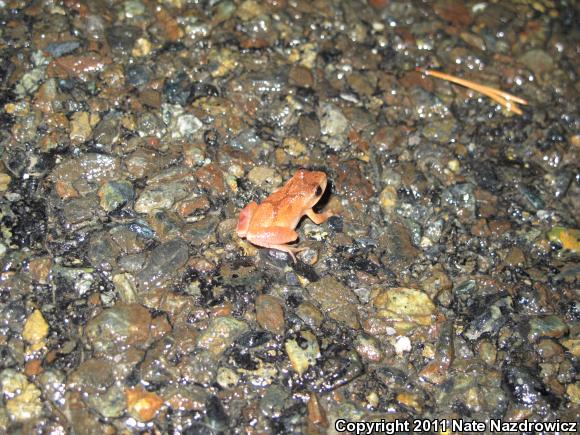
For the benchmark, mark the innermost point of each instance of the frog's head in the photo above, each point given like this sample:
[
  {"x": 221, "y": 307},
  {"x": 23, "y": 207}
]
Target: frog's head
[{"x": 313, "y": 185}]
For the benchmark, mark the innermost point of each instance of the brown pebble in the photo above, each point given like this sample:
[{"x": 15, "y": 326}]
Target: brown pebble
[
  {"x": 40, "y": 269},
  {"x": 160, "y": 326},
  {"x": 480, "y": 229},
  {"x": 257, "y": 43},
  {"x": 316, "y": 413},
  {"x": 94, "y": 299},
  {"x": 454, "y": 11},
  {"x": 33, "y": 367},
  {"x": 414, "y": 79},
  {"x": 351, "y": 182},
  {"x": 51, "y": 356},
  {"x": 379, "y": 4},
  {"x": 410, "y": 400},
  {"x": 357, "y": 140},
  {"x": 151, "y": 98},
  {"x": 310, "y": 315},
  {"x": 499, "y": 227},
  {"x": 549, "y": 350},
  {"x": 515, "y": 257},
  {"x": 57, "y": 120},
  {"x": 221, "y": 310},
  {"x": 143, "y": 404},
  {"x": 211, "y": 177},
  {"x": 486, "y": 203},
  {"x": 270, "y": 314},
  {"x": 76, "y": 66},
  {"x": 387, "y": 138},
  {"x": 168, "y": 24},
  {"x": 201, "y": 265},
  {"x": 301, "y": 76},
  {"x": 65, "y": 190},
  {"x": 189, "y": 206}
]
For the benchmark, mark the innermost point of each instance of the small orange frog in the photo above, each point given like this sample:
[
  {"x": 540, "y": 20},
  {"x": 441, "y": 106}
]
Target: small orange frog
[{"x": 271, "y": 224}]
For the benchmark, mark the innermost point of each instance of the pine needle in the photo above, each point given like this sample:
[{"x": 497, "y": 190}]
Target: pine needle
[{"x": 509, "y": 101}]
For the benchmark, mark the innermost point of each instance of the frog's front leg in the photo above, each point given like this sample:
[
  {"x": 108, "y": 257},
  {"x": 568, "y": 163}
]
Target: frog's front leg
[{"x": 318, "y": 218}]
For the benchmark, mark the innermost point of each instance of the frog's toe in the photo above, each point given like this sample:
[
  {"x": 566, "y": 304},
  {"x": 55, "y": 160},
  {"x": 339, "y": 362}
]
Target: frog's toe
[{"x": 291, "y": 250}]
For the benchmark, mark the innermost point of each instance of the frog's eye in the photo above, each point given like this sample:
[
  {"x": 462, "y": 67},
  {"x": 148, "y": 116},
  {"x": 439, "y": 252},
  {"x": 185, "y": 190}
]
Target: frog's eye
[{"x": 318, "y": 191}]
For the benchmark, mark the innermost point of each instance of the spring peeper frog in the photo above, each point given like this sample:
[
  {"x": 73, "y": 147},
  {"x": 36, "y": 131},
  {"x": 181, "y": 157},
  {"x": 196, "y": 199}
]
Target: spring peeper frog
[{"x": 271, "y": 224}]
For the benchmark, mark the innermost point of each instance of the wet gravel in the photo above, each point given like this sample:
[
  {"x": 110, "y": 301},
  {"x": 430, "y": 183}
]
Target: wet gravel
[{"x": 133, "y": 133}]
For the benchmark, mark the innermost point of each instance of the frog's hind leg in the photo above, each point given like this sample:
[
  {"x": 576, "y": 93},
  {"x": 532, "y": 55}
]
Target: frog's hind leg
[
  {"x": 276, "y": 238},
  {"x": 245, "y": 218},
  {"x": 269, "y": 237}
]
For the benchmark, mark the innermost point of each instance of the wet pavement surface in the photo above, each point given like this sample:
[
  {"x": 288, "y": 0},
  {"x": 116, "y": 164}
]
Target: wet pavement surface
[{"x": 133, "y": 133}]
